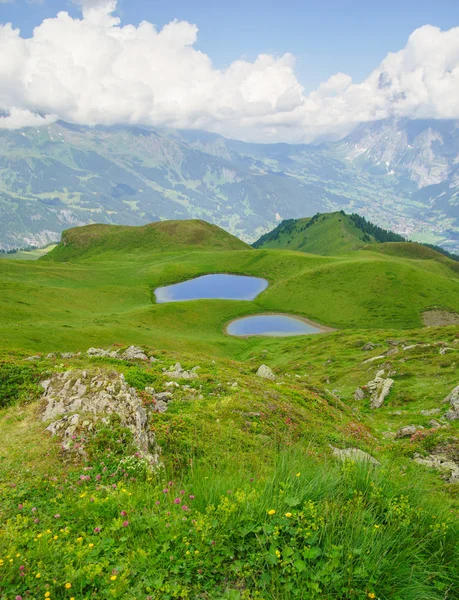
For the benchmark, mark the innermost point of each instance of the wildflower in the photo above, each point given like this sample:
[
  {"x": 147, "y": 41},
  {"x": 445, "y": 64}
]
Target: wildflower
[
  {"x": 165, "y": 491},
  {"x": 371, "y": 595},
  {"x": 271, "y": 512},
  {"x": 79, "y": 540},
  {"x": 182, "y": 492},
  {"x": 18, "y": 598},
  {"x": 298, "y": 474},
  {"x": 113, "y": 578},
  {"x": 56, "y": 537},
  {"x": 157, "y": 502},
  {"x": 57, "y": 516},
  {"x": 278, "y": 554},
  {"x": 48, "y": 594},
  {"x": 91, "y": 545},
  {"x": 68, "y": 586},
  {"x": 191, "y": 497},
  {"x": 377, "y": 526},
  {"x": 196, "y": 552},
  {"x": 97, "y": 530},
  {"x": 288, "y": 515},
  {"x": 123, "y": 513},
  {"x": 185, "y": 507},
  {"x": 20, "y": 506},
  {"x": 177, "y": 501},
  {"x": 38, "y": 575},
  {"x": 126, "y": 524}
]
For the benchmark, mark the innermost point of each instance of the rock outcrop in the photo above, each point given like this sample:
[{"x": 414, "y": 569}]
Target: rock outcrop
[
  {"x": 441, "y": 462},
  {"x": 354, "y": 454},
  {"x": 405, "y": 432},
  {"x": 453, "y": 400},
  {"x": 265, "y": 373},
  {"x": 132, "y": 353},
  {"x": 379, "y": 389},
  {"x": 178, "y": 372},
  {"x": 80, "y": 400}
]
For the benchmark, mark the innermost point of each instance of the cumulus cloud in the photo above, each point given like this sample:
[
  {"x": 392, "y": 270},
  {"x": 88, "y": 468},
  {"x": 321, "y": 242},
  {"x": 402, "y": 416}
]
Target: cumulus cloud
[{"x": 94, "y": 70}]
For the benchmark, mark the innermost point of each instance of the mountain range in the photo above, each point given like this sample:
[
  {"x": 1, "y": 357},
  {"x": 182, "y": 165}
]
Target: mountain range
[{"x": 401, "y": 174}]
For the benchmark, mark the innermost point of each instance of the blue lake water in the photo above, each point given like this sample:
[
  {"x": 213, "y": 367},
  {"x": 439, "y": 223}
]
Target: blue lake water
[
  {"x": 217, "y": 286},
  {"x": 271, "y": 325}
]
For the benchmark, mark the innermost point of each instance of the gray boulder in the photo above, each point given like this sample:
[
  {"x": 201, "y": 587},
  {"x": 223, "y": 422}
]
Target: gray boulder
[
  {"x": 265, "y": 373},
  {"x": 134, "y": 353},
  {"x": 178, "y": 372},
  {"x": 354, "y": 454},
  {"x": 359, "y": 394},
  {"x": 91, "y": 396},
  {"x": 453, "y": 400},
  {"x": 379, "y": 389},
  {"x": 406, "y": 431},
  {"x": 448, "y": 468}
]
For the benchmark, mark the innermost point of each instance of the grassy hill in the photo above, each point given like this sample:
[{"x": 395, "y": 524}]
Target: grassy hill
[
  {"x": 96, "y": 240},
  {"x": 337, "y": 233},
  {"x": 328, "y": 234},
  {"x": 250, "y": 501}
]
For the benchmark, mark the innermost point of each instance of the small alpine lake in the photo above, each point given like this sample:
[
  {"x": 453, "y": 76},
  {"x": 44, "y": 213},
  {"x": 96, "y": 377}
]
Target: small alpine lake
[
  {"x": 273, "y": 325},
  {"x": 219, "y": 286}
]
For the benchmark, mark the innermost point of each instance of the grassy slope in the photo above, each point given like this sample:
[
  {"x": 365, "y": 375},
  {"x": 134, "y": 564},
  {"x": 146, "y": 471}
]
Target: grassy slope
[
  {"x": 44, "y": 305},
  {"x": 355, "y": 532},
  {"x": 93, "y": 240},
  {"x": 332, "y": 234}
]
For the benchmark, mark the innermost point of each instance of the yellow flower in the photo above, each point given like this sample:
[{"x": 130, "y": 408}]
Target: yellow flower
[
  {"x": 80, "y": 539},
  {"x": 298, "y": 474},
  {"x": 288, "y": 515},
  {"x": 48, "y": 594},
  {"x": 377, "y": 526},
  {"x": 371, "y": 595},
  {"x": 72, "y": 598},
  {"x": 196, "y": 551},
  {"x": 38, "y": 575},
  {"x": 278, "y": 553},
  {"x": 91, "y": 545},
  {"x": 68, "y": 586},
  {"x": 271, "y": 512},
  {"x": 56, "y": 537},
  {"x": 113, "y": 577}
]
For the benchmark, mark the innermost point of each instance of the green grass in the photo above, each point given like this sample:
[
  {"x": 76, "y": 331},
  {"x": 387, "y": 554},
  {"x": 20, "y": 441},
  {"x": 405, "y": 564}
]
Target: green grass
[
  {"x": 47, "y": 306},
  {"x": 274, "y": 515}
]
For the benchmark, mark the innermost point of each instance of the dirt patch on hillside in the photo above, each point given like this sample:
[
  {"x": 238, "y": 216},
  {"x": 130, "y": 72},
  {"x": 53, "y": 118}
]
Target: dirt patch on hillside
[{"x": 437, "y": 318}]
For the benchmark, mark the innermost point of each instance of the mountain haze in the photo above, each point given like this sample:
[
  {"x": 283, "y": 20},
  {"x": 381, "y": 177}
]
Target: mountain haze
[{"x": 402, "y": 175}]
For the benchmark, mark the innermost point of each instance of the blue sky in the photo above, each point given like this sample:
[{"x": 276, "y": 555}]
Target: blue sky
[{"x": 327, "y": 36}]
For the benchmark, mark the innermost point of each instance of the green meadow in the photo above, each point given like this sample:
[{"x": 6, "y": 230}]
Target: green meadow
[{"x": 250, "y": 501}]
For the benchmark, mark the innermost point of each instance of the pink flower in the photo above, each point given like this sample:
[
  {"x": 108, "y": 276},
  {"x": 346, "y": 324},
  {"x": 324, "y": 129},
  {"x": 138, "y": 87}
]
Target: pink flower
[
  {"x": 177, "y": 501},
  {"x": 182, "y": 492},
  {"x": 157, "y": 502},
  {"x": 126, "y": 524},
  {"x": 98, "y": 477},
  {"x": 91, "y": 499},
  {"x": 36, "y": 521},
  {"x": 97, "y": 530},
  {"x": 18, "y": 597},
  {"x": 20, "y": 506},
  {"x": 34, "y": 509},
  {"x": 165, "y": 491},
  {"x": 57, "y": 516},
  {"x": 185, "y": 507},
  {"x": 191, "y": 497},
  {"x": 123, "y": 513},
  {"x": 21, "y": 568}
]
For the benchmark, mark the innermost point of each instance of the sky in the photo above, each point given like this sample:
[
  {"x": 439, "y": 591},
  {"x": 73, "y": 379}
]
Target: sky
[{"x": 290, "y": 70}]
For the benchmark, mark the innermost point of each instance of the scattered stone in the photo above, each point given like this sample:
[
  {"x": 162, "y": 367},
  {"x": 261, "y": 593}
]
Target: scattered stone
[
  {"x": 392, "y": 351},
  {"x": 429, "y": 413},
  {"x": 368, "y": 346},
  {"x": 448, "y": 468},
  {"x": 359, "y": 394},
  {"x": 95, "y": 394},
  {"x": 354, "y": 454},
  {"x": 379, "y": 388},
  {"x": 445, "y": 350},
  {"x": 177, "y": 372},
  {"x": 153, "y": 359},
  {"x": 406, "y": 431},
  {"x": 101, "y": 353},
  {"x": 174, "y": 384},
  {"x": 266, "y": 373},
  {"x": 453, "y": 400},
  {"x": 68, "y": 355},
  {"x": 31, "y": 358},
  {"x": 51, "y": 355},
  {"x": 434, "y": 424},
  {"x": 134, "y": 353},
  {"x": 150, "y": 391},
  {"x": 373, "y": 358}
]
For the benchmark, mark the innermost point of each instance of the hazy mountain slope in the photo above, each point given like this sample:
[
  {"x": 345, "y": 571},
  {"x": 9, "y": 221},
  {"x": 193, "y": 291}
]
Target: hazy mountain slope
[{"x": 63, "y": 176}]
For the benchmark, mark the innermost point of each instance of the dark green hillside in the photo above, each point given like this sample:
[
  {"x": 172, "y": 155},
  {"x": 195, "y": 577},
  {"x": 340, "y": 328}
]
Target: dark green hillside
[
  {"x": 327, "y": 234},
  {"x": 167, "y": 236}
]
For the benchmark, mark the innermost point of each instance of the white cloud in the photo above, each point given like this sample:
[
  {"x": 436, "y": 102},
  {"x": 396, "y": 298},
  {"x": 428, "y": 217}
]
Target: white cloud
[{"x": 93, "y": 70}]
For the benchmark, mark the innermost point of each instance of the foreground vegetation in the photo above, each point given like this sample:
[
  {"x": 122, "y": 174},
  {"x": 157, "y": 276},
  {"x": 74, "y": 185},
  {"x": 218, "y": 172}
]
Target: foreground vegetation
[
  {"x": 249, "y": 504},
  {"x": 249, "y": 500}
]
